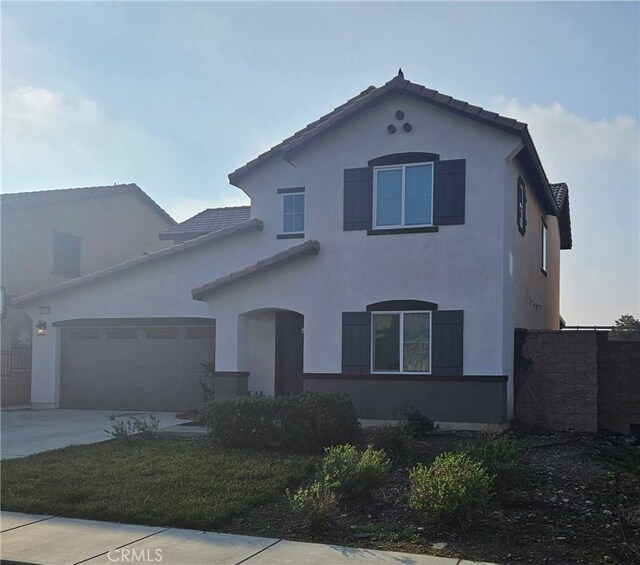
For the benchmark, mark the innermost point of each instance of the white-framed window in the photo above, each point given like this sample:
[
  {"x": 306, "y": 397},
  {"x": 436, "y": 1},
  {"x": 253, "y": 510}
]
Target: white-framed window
[
  {"x": 401, "y": 342},
  {"x": 543, "y": 246},
  {"x": 403, "y": 196},
  {"x": 293, "y": 212}
]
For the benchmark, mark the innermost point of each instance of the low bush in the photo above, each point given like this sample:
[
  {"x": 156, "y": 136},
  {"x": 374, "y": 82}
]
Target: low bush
[
  {"x": 503, "y": 457},
  {"x": 306, "y": 422},
  {"x": 352, "y": 473},
  {"x": 126, "y": 429},
  {"x": 454, "y": 488},
  {"x": 393, "y": 440},
  {"x": 416, "y": 424},
  {"x": 315, "y": 505}
]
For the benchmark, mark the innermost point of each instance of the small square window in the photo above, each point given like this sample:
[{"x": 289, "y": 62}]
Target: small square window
[{"x": 293, "y": 213}]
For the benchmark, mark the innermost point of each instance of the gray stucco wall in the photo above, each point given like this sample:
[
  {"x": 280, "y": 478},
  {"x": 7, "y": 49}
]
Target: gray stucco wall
[{"x": 457, "y": 399}]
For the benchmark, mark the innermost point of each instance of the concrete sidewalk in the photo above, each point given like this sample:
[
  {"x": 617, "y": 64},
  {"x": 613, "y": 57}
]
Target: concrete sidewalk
[{"x": 47, "y": 540}]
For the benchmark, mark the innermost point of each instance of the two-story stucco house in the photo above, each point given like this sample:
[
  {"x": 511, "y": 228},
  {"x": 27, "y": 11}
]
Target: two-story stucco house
[
  {"x": 392, "y": 248},
  {"x": 52, "y": 236}
]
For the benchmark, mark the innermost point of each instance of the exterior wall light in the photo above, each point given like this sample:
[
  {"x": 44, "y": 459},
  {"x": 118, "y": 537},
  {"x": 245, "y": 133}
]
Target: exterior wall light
[{"x": 41, "y": 327}]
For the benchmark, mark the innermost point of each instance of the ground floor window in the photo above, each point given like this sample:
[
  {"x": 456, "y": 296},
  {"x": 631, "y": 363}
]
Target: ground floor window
[{"x": 401, "y": 342}]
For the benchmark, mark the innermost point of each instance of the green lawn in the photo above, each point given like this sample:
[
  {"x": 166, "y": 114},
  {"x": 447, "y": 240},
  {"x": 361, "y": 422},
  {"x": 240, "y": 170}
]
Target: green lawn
[{"x": 160, "y": 482}]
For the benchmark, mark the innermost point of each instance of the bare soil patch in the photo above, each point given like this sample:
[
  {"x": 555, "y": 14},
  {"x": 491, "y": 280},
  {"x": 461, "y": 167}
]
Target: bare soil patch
[{"x": 579, "y": 502}]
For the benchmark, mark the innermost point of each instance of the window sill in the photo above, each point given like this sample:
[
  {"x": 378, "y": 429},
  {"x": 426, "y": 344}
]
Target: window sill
[
  {"x": 543, "y": 271},
  {"x": 397, "y": 231},
  {"x": 290, "y": 236}
]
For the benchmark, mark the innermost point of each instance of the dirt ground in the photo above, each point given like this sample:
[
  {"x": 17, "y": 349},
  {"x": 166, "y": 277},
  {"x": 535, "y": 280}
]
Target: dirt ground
[{"x": 578, "y": 502}]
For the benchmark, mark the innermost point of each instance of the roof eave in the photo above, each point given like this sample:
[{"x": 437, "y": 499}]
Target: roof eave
[{"x": 309, "y": 247}]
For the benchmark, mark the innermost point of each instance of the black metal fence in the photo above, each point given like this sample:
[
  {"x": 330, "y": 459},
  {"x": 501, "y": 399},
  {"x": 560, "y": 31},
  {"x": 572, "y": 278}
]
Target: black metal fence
[{"x": 15, "y": 359}]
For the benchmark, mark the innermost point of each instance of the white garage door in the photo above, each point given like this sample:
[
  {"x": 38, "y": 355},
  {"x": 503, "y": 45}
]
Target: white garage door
[{"x": 128, "y": 367}]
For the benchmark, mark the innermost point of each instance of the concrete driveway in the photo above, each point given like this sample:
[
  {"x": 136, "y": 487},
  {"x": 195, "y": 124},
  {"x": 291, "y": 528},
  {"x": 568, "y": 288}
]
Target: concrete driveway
[{"x": 24, "y": 432}]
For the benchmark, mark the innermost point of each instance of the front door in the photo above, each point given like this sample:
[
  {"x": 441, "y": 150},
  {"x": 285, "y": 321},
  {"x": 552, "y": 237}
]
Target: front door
[{"x": 289, "y": 352}]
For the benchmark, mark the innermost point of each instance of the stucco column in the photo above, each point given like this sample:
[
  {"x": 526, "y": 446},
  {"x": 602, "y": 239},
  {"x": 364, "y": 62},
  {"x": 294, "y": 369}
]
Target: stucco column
[
  {"x": 45, "y": 369},
  {"x": 323, "y": 341},
  {"x": 228, "y": 332}
]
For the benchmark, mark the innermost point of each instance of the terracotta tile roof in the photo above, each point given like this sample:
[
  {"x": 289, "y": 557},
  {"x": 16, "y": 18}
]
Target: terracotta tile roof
[
  {"x": 398, "y": 84},
  {"x": 561, "y": 194},
  {"x": 309, "y": 247},
  {"x": 21, "y": 199},
  {"x": 214, "y": 237},
  {"x": 207, "y": 221}
]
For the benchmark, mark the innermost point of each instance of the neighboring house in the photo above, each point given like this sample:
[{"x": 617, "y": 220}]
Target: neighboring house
[
  {"x": 393, "y": 247},
  {"x": 207, "y": 221},
  {"x": 52, "y": 236}
]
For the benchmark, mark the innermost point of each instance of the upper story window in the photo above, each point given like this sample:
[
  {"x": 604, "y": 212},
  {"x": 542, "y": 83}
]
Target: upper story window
[
  {"x": 66, "y": 254},
  {"x": 293, "y": 212},
  {"x": 401, "y": 342},
  {"x": 543, "y": 246},
  {"x": 403, "y": 195},
  {"x": 522, "y": 207}
]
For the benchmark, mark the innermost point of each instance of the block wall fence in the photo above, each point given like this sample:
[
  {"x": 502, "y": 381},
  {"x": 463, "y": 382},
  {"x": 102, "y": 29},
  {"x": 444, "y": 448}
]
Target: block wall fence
[{"x": 585, "y": 381}]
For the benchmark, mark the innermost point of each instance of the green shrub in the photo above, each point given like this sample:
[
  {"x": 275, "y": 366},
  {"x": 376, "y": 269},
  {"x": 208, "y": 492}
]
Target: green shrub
[
  {"x": 416, "y": 424},
  {"x": 351, "y": 472},
  {"x": 315, "y": 505},
  {"x": 126, "y": 429},
  {"x": 502, "y": 457},
  {"x": 454, "y": 488},
  {"x": 393, "y": 440},
  {"x": 306, "y": 422}
]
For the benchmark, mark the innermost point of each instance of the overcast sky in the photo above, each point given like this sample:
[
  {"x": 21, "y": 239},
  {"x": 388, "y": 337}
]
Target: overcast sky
[{"x": 174, "y": 96}]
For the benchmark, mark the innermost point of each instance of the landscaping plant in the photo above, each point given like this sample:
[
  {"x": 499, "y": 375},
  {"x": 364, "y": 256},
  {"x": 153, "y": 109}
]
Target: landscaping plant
[
  {"x": 416, "y": 424},
  {"x": 315, "y": 505},
  {"x": 503, "y": 457},
  {"x": 126, "y": 429},
  {"x": 393, "y": 440},
  {"x": 305, "y": 423},
  {"x": 454, "y": 488},
  {"x": 352, "y": 473}
]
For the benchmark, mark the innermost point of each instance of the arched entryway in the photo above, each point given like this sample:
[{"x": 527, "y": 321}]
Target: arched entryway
[{"x": 271, "y": 350}]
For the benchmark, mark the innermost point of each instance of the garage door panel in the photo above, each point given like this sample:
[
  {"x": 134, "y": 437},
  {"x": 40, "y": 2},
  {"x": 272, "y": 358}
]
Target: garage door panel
[{"x": 127, "y": 368}]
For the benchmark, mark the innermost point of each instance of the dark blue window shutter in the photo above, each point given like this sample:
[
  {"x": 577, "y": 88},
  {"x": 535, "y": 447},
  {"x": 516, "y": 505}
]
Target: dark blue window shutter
[
  {"x": 449, "y": 179},
  {"x": 356, "y": 342},
  {"x": 522, "y": 207},
  {"x": 447, "y": 327},
  {"x": 358, "y": 199}
]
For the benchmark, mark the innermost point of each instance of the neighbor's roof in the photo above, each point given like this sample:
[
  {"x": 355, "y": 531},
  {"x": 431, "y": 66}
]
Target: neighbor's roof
[
  {"x": 561, "y": 194},
  {"x": 398, "y": 84},
  {"x": 207, "y": 221},
  {"x": 309, "y": 247},
  {"x": 142, "y": 260},
  {"x": 22, "y": 199}
]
